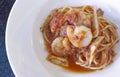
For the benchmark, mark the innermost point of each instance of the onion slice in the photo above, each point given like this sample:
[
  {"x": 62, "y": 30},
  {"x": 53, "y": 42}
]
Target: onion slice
[{"x": 95, "y": 24}]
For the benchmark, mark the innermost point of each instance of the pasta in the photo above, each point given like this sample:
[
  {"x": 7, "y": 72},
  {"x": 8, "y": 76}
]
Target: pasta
[{"x": 82, "y": 33}]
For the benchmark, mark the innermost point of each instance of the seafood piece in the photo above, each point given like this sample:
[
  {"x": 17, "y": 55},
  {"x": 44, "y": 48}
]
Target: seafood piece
[
  {"x": 58, "y": 60},
  {"x": 60, "y": 46},
  {"x": 81, "y": 36}
]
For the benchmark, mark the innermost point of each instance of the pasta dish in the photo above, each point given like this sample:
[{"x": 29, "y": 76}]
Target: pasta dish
[{"x": 81, "y": 34}]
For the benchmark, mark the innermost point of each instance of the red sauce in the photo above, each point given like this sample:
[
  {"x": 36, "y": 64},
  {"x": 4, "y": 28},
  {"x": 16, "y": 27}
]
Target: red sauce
[{"x": 76, "y": 68}]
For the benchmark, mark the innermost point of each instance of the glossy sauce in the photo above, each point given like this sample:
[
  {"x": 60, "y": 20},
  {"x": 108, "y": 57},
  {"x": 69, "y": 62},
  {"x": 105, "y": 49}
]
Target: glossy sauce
[{"x": 76, "y": 68}]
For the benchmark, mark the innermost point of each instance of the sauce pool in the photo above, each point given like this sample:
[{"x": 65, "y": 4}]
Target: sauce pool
[{"x": 76, "y": 68}]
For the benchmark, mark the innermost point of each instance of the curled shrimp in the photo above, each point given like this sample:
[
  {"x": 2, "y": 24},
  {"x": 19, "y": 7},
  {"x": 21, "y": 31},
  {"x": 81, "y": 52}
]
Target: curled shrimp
[
  {"x": 80, "y": 36},
  {"x": 60, "y": 46}
]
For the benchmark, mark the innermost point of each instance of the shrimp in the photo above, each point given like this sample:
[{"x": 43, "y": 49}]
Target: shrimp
[
  {"x": 81, "y": 36},
  {"x": 60, "y": 46}
]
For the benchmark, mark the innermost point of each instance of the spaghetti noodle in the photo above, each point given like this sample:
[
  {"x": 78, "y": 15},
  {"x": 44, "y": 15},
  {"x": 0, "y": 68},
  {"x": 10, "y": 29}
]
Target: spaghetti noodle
[{"x": 81, "y": 33}]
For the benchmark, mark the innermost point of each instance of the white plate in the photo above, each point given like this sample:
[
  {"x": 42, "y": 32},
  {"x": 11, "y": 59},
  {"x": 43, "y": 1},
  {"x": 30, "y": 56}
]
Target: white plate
[{"x": 24, "y": 42}]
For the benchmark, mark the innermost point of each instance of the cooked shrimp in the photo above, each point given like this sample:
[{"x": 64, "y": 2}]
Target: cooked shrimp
[
  {"x": 60, "y": 46},
  {"x": 81, "y": 36}
]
